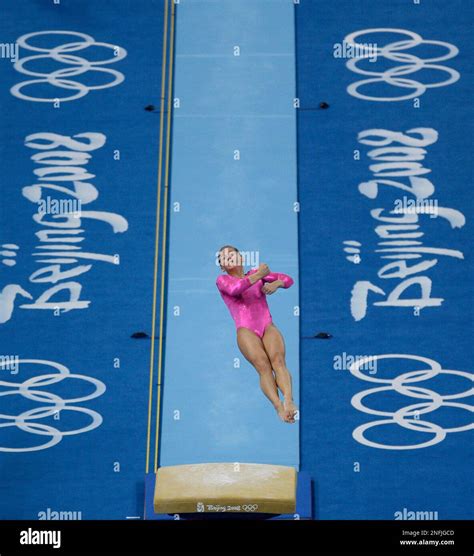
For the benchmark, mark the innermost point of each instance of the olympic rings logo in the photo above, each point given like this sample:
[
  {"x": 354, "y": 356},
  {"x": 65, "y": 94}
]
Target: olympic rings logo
[
  {"x": 250, "y": 507},
  {"x": 408, "y": 384},
  {"x": 31, "y": 389},
  {"x": 61, "y": 78},
  {"x": 410, "y": 64}
]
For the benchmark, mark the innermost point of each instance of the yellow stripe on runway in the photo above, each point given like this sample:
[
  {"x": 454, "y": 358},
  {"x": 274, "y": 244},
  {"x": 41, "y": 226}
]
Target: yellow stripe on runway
[
  {"x": 157, "y": 232},
  {"x": 165, "y": 213}
]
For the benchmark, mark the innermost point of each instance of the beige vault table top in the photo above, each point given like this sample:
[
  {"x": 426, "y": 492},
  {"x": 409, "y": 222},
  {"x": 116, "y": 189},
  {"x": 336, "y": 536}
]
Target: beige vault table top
[{"x": 225, "y": 487}]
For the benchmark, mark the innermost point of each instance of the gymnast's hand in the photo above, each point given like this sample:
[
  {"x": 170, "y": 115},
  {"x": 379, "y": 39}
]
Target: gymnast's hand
[
  {"x": 270, "y": 287},
  {"x": 263, "y": 270}
]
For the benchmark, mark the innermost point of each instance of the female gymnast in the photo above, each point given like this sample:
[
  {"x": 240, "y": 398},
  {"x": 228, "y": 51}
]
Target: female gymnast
[{"x": 259, "y": 340}]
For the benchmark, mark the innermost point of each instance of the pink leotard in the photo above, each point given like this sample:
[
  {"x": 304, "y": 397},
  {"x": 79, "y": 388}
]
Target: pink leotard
[{"x": 246, "y": 301}]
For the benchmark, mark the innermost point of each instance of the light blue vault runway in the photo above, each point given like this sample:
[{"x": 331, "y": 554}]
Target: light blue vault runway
[{"x": 233, "y": 182}]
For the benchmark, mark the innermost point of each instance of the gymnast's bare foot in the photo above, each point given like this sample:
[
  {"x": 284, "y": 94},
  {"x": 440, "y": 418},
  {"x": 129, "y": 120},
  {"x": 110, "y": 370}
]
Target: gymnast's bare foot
[
  {"x": 290, "y": 409},
  {"x": 282, "y": 412}
]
